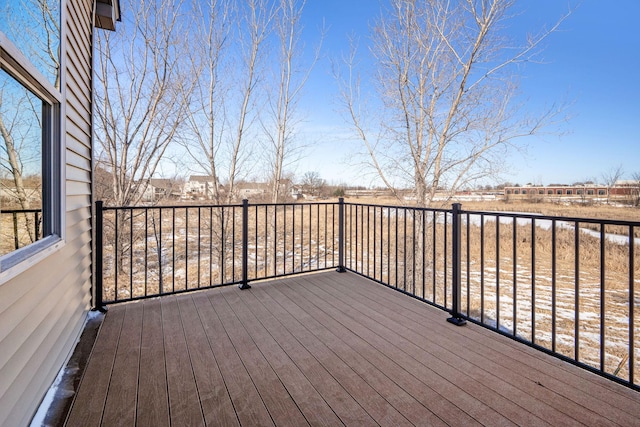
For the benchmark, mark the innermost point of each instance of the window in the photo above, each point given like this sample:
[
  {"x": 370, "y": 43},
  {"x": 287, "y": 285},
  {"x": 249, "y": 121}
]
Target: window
[
  {"x": 602, "y": 192},
  {"x": 590, "y": 192},
  {"x": 559, "y": 192},
  {"x": 541, "y": 192},
  {"x": 569, "y": 192},
  {"x": 550, "y": 192},
  {"x": 30, "y": 176},
  {"x": 579, "y": 192}
]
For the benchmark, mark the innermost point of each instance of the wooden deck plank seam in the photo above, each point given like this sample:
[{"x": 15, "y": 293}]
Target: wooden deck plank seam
[
  {"x": 318, "y": 362},
  {"x": 532, "y": 352},
  {"x": 234, "y": 358},
  {"x": 494, "y": 337},
  {"x": 362, "y": 376},
  {"x": 241, "y": 341},
  {"x": 215, "y": 359},
  {"x": 525, "y": 386},
  {"x": 256, "y": 320},
  {"x": 191, "y": 359},
  {"x": 301, "y": 337},
  {"x": 342, "y": 326},
  {"x": 362, "y": 380},
  {"x": 416, "y": 335},
  {"x": 441, "y": 381},
  {"x": 537, "y": 355}
]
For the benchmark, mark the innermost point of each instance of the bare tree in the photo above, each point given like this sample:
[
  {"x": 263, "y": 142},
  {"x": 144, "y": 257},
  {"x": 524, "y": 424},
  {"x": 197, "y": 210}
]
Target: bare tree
[
  {"x": 312, "y": 183},
  {"x": 636, "y": 188},
  {"x": 227, "y": 60},
  {"x": 140, "y": 94},
  {"x": 610, "y": 177},
  {"x": 142, "y": 89},
  {"x": 208, "y": 43},
  {"x": 446, "y": 80},
  {"x": 256, "y": 18},
  {"x": 291, "y": 79}
]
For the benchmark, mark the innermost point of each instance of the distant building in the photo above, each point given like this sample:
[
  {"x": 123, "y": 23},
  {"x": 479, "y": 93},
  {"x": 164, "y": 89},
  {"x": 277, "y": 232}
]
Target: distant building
[
  {"x": 622, "y": 190},
  {"x": 160, "y": 189},
  {"x": 199, "y": 187}
]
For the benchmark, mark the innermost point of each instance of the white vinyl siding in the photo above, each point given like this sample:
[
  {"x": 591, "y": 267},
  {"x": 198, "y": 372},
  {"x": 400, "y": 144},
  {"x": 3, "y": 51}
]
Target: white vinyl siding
[{"x": 43, "y": 307}]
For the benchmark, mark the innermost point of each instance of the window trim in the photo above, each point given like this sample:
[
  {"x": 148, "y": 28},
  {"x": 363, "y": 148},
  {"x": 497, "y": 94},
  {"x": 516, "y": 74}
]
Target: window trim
[{"x": 14, "y": 63}]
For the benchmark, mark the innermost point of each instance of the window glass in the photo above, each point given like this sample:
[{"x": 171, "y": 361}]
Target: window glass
[
  {"x": 21, "y": 165},
  {"x": 34, "y": 27}
]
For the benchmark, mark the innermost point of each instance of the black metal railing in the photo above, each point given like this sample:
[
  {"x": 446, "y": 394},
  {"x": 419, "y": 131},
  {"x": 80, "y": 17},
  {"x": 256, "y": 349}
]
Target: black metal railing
[
  {"x": 25, "y": 227},
  {"x": 150, "y": 251},
  {"x": 563, "y": 285},
  {"x": 566, "y": 286}
]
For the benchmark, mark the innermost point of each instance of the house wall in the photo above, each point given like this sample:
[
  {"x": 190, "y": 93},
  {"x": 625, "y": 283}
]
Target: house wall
[{"x": 43, "y": 307}]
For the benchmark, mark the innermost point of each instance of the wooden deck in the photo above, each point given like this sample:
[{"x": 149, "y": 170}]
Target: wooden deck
[{"x": 325, "y": 349}]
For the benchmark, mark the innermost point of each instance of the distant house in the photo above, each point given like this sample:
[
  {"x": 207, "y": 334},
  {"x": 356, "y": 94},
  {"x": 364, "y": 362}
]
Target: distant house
[
  {"x": 199, "y": 187},
  {"x": 263, "y": 190},
  {"x": 46, "y": 286},
  {"x": 252, "y": 190},
  {"x": 159, "y": 189}
]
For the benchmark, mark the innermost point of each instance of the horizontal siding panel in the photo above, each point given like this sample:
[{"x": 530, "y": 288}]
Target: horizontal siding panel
[
  {"x": 77, "y": 216},
  {"x": 77, "y": 202},
  {"x": 43, "y": 381},
  {"x": 76, "y": 88},
  {"x": 79, "y": 40},
  {"x": 75, "y": 118},
  {"x": 50, "y": 324},
  {"x": 79, "y": 175},
  {"x": 39, "y": 311},
  {"x": 78, "y": 18},
  {"x": 73, "y": 159},
  {"x": 80, "y": 233},
  {"x": 77, "y": 140},
  {"x": 75, "y": 188}
]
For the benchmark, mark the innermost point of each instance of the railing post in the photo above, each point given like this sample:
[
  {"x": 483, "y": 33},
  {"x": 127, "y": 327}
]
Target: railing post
[
  {"x": 456, "y": 316},
  {"x": 16, "y": 240},
  {"x": 99, "y": 244},
  {"x": 245, "y": 245},
  {"x": 341, "y": 268}
]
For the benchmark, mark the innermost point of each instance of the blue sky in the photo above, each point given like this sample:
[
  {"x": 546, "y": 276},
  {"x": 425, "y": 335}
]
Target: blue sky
[{"x": 593, "y": 63}]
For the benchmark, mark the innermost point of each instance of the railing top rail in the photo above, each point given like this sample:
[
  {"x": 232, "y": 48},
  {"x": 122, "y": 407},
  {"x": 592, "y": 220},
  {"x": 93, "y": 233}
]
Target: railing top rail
[
  {"x": 12, "y": 211},
  {"x": 520, "y": 215},
  {"x": 115, "y": 208},
  {"x": 443, "y": 210},
  {"x": 294, "y": 204},
  {"x": 237, "y": 205}
]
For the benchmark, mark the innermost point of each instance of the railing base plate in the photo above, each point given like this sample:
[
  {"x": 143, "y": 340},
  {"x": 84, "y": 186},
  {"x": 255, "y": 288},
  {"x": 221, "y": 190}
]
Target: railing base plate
[
  {"x": 244, "y": 286},
  {"x": 458, "y": 321}
]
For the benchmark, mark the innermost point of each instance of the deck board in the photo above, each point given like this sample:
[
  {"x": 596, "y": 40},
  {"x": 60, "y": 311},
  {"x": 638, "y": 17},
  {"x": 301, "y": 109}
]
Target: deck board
[
  {"x": 326, "y": 349},
  {"x": 153, "y": 398}
]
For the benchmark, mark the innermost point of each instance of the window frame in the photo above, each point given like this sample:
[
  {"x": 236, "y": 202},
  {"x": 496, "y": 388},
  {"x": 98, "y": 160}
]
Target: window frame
[{"x": 16, "y": 64}]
